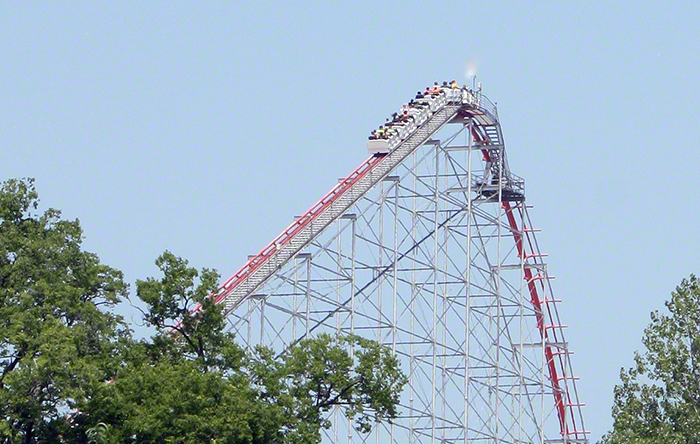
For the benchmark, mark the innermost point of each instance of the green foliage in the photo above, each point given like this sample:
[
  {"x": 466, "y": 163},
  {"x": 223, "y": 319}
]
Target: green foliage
[
  {"x": 317, "y": 374},
  {"x": 195, "y": 384},
  {"x": 167, "y": 402},
  {"x": 98, "y": 434},
  {"x": 180, "y": 306},
  {"x": 345, "y": 370},
  {"x": 658, "y": 400},
  {"x": 56, "y": 344},
  {"x": 71, "y": 372}
]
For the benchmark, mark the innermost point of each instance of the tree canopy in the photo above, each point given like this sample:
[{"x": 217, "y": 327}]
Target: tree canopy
[
  {"x": 658, "y": 399},
  {"x": 71, "y": 370},
  {"x": 57, "y": 341}
]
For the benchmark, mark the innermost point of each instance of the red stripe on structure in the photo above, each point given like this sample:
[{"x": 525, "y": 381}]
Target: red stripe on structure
[
  {"x": 296, "y": 227},
  {"x": 535, "y": 300},
  {"x": 288, "y": 234},
  {"x": 539, "y": 313}
]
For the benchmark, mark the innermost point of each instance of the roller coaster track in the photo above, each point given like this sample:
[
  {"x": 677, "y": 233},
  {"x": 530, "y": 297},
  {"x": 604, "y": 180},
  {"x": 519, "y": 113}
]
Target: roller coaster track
[
  {"x": 497, "y": 184},
  {"x": 295, "y": 237}
]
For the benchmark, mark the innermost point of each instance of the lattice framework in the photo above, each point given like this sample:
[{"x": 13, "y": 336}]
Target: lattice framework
[{"x": 439, "y": 261}]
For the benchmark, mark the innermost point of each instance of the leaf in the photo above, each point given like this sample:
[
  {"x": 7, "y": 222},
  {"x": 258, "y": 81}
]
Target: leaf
[{"x": 658, "y": 400}]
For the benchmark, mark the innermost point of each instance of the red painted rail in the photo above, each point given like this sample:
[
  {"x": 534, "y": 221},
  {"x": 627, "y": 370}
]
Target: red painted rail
[
  {"x": 539, "y": 315},
  {"x": 296, "y": 227},
  {"x": 559, "y": 402}
]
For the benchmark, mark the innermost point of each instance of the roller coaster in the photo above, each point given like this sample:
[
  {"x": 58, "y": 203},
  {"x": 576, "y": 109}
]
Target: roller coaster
[{"x": 427, "y": 247}]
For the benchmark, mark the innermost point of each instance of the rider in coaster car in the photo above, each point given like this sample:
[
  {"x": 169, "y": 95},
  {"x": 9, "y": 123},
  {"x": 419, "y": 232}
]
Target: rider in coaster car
[
  {"x": 409, "y": 110},
  {"x": 415, "y": 105}
]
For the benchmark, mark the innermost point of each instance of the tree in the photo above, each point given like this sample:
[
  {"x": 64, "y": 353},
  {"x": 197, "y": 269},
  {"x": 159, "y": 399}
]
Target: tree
[
  {"x": 322, "y": 373},
  {"x": 658, "y": 400},
  {"x": 57, "y": 343},
  {"x": 97, "y": 434},
  {"x": 192, "y": 383},
  {"x": 70, "y": 370}
]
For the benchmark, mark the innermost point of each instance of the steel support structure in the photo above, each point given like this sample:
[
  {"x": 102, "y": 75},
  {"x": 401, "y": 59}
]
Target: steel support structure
[{"x": 436, "y": 257}]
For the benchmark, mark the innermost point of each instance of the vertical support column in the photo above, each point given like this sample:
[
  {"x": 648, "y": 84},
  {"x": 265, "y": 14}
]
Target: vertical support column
[
  {"x": 378, "y": 270},
  {"x": 521, "y": 358},
  {"x": 339, "y": 272},
  {"x": 395, "y": 184},
  {"x": 499, "y": 308},
  {"x": 443, "y": 291},
  {"x": 394, "y": 284},
  {"x": 295, "y": 289},
  {"x": 262, "y": 320},
  {"x": 380, "y": 277},
  {"x": 543, "y": 390},
  {"x": 467, "y": 278},
  {"x": 353, "y": 239},
  {"x": 307, "y": 318},
  {"x": 250, "y": 325},
  {"x": 396, "y": 277},
  {"x": 434, "y": 332},
  {"x": 308, "y": 295},
  {"x": 412, "y": 327}
]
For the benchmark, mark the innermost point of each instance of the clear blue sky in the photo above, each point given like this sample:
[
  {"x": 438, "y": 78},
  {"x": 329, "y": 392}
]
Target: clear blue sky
[{"x": 204, "y": 129}]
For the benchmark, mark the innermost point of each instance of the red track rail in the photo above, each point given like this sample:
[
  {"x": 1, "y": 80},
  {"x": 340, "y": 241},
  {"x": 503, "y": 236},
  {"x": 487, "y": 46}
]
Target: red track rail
[
  {"x": 559, "y": 403},
  {"x": 288, "y": 234},
  {"x": 539, "y": 314},
  {"x": 297, "y": 226}
]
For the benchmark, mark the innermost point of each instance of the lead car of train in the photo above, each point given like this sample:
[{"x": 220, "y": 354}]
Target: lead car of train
[{"x": 415, "y": 114}]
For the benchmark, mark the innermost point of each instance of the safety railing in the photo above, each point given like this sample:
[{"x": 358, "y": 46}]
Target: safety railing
[
  {"x": 511, "y": 184},
  {"x": 484, "y": 104}
]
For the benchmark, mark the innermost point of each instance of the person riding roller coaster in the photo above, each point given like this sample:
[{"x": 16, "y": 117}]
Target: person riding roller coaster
[{"x": 411, "y": 111}]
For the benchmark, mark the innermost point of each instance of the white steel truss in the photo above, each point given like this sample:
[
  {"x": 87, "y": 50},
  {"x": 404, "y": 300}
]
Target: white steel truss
[{"x": 436, "y": 258}]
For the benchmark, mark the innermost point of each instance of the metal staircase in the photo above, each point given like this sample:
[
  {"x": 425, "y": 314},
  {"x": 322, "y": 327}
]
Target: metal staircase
[{"x": 487, "y": 133}]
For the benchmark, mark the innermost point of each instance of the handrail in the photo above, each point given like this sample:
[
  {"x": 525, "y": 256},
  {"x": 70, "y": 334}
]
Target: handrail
[{"x": 487, "y": 106}]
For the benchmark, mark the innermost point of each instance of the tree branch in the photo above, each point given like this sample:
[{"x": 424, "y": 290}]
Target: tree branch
[
  {"x": 182, "y": 333},
  {"x": 340, "y": 394},
  {"x": 13, "y": 364}
]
